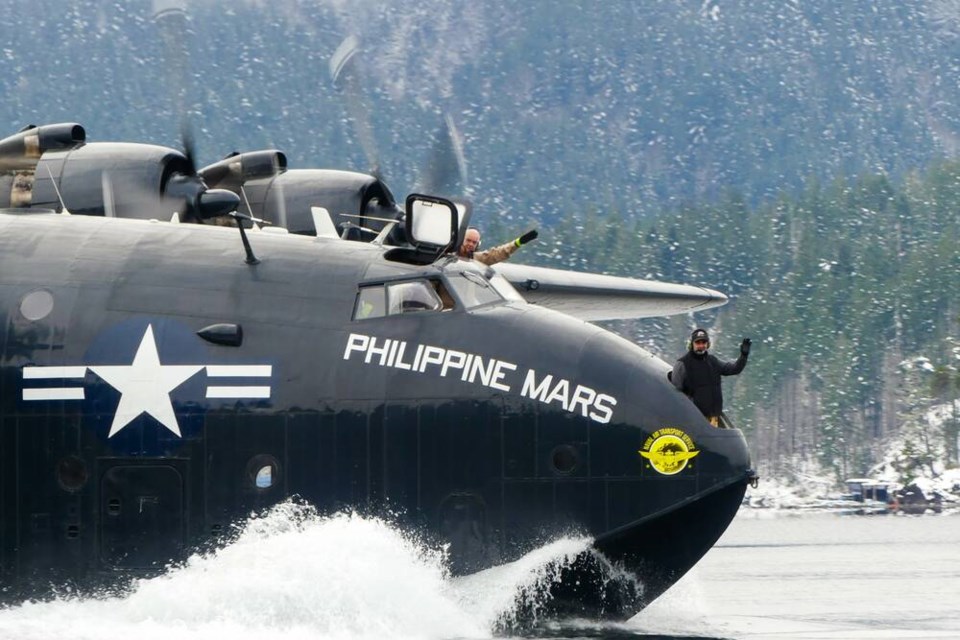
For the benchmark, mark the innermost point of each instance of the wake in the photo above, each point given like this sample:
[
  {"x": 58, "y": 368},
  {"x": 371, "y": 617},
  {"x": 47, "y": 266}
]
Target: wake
[{"x": 306, "y": 575}]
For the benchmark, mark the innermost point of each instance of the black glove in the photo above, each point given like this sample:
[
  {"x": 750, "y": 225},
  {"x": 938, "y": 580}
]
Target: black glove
[
  {"x": 745, "y": 346},
  {"x": 527, "y": 237}
]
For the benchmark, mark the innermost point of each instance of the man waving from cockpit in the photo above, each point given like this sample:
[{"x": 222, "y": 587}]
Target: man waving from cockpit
[{"x": 471, "y": 242}]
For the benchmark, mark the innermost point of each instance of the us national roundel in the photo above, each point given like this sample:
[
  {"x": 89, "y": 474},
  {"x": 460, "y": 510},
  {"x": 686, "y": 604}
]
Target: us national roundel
[{"x": 145, "y": 384}]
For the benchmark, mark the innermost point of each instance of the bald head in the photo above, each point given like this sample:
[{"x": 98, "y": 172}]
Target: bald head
[{"x": 471, "y": 240}]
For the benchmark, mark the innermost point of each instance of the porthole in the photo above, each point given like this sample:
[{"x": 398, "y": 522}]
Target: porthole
[
  {"x": 565, "y": 459},
  {"x": 72, "y": 473},
  {"x": 263, "y": 472},
  {"x": 36, "y": 305}
]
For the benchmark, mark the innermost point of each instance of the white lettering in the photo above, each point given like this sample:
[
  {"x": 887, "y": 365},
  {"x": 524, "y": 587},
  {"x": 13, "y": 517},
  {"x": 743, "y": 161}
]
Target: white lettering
[
  {"x": 400, "y": 363},
  {"x": 453, "y": 359},
  {"x": 485, "y": 373},
  {"x": 561, "y": 392},
  {"x": 582, "y": 396},
  {"x": 355, "y": 342},
  {"x": 532, "y": 390},
  {"x": 373, "y": 350},
  {"x": 499, "y": 373},
  {"x": 606, "y": 412},
  {"x": 416, "y": 358},
  {"x": 466, "y": 367},
  {"x": 431, "y": 355},
  {"x": 490, "y": 372}
]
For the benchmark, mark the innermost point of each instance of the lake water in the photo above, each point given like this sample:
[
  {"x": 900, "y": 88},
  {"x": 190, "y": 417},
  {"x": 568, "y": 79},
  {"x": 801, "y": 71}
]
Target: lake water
[
  {"x": 297, "y": 576},
  {"x": 820, "y": 576}
]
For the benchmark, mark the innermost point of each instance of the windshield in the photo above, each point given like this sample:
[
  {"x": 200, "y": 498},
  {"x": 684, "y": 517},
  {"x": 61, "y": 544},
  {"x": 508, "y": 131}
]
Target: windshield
[
  {"x": 505, "y": 289},
  {"x": 473, "y": 289}
]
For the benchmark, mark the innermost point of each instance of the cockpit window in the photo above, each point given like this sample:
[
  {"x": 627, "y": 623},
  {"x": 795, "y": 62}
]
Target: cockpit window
[
  {"x": 504, "y": 288},
  {"x": 394, "y": 298},
  {"x": 473, "y": 289},
  {"x": 371, "y": 303},
  {"x": 408, "y": 297},
  {"x": 432, "y": 294}
]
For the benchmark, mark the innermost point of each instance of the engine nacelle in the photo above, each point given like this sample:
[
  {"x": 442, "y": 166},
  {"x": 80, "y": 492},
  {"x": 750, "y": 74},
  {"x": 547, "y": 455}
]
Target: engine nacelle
[
  {"x": 22, "y": 150},
  {"x": 123, "y": 179},
  {"x": 237, "y": 168},
  {"x": 286, "y": 198}
]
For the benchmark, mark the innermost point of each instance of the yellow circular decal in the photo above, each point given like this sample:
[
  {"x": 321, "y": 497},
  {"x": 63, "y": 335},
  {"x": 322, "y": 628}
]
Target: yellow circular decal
[{"x": 668, "y": 450}]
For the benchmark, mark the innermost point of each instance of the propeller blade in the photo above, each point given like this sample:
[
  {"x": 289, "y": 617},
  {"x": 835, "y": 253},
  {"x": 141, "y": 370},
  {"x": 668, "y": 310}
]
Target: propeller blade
[
  {"x": 281, "y": 208},
  {"x": 346, "y": 77},
  {"x": 170, "y": 18},
  {"x": 446, "y": 169},
  {"x": 186, "y": 138},
  {"x": 109, "y": 203},
  {"x": 344, "y": 53}
]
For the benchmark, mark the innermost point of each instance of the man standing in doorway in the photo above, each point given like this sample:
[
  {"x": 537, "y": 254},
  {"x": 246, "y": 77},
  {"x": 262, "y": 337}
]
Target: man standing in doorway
[{"x": 697, "y": 373}]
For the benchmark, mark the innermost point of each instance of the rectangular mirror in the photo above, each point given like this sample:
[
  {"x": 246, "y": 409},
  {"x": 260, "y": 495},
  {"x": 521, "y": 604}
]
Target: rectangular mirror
[{"x": 432, "y": 223}]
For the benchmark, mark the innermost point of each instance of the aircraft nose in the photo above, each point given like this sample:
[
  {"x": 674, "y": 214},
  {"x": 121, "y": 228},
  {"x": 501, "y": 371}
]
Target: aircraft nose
[
  {"x": 656, "y": 436},
  {"x": 664, "y": 483}
]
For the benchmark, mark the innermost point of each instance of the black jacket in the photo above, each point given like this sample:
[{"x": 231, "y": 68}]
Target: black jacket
[{"x": 698, "y": 376}]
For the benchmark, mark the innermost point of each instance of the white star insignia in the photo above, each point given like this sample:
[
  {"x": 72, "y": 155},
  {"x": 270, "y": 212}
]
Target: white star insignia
[{"x": 145, "y": 386}]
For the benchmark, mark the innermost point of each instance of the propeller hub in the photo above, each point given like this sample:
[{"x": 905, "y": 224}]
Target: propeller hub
[{"x": 214, "y": 203}]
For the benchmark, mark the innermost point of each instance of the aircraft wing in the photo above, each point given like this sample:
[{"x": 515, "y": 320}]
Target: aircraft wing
[{"x": 592, "y": 296}]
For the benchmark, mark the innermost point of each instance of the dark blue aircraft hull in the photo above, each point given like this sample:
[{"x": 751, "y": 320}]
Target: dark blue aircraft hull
[
  {"x": 132, "y": 516},
  {"x": 556, "y": 427}
]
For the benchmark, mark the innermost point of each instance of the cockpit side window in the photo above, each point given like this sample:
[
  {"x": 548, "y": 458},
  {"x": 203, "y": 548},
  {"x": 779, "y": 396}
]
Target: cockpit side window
[
  {"x": 505, "y": 289},
  {"x": 412, "y": 296},
  {"x": 371, "y": 303},
  {"x": 473, "y": 289}
]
